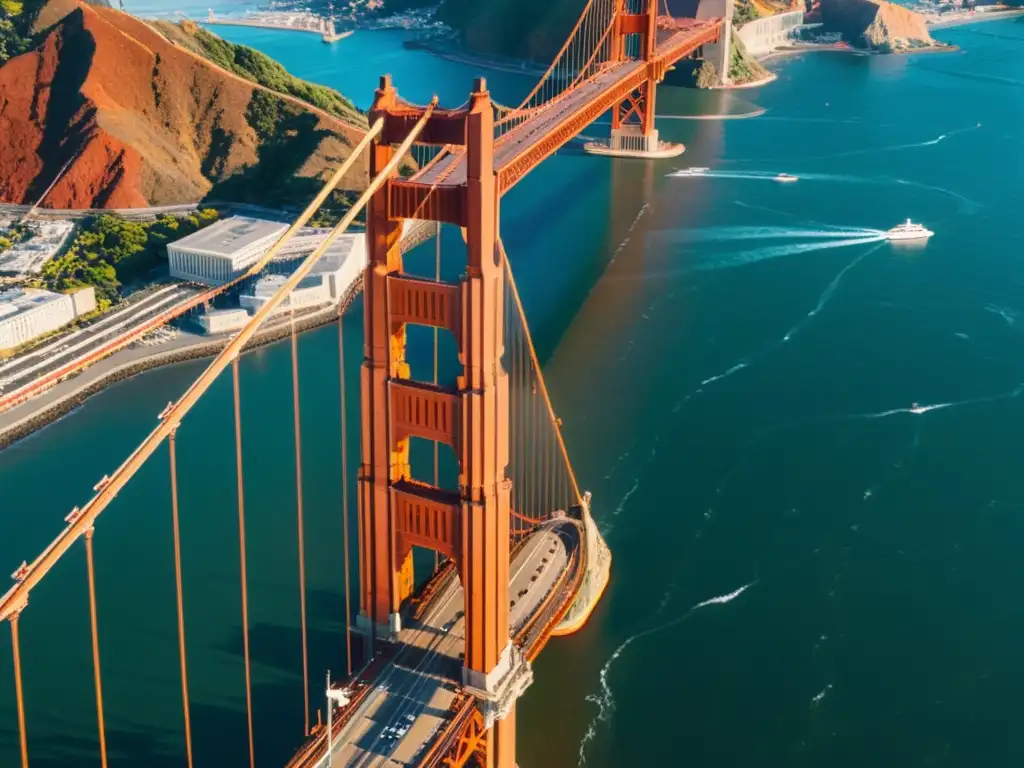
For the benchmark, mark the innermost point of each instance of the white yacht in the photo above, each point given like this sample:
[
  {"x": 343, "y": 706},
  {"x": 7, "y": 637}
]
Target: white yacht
[
  {"x": 691, "y": 172},
  {"x": 909, "y": 231},
  {"x": 787, "y": 178}
]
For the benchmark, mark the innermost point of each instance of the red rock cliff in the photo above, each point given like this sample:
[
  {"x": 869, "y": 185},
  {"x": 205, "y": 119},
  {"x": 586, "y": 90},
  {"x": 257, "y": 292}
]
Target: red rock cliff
[
  {"x": 876, "y": 24},
  {"x": 137, "y": 120}
]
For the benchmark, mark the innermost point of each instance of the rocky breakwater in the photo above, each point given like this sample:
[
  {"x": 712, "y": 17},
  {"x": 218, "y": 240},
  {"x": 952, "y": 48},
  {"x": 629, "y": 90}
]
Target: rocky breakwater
[{"x": 878, "y": 26}]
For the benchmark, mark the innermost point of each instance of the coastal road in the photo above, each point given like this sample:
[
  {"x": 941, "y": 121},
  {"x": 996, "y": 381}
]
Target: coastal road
[
  {"x": 63, "y": 351},
  {"x": 16, "y": 211},
  {"x": 413, "y": 694}
]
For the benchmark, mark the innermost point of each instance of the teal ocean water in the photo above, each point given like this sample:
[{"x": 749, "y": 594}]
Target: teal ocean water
[{"x": 803, "y": 445}]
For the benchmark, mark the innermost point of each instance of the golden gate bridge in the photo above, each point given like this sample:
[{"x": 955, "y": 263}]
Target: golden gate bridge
[{"x": 432, "y": 676}]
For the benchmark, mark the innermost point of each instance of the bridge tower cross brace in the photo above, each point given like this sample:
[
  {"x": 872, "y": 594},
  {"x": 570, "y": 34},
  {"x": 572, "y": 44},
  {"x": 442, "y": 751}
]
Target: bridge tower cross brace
[
  {"x": 396, "y": 511},
  {"x": 633, "y": 119}
]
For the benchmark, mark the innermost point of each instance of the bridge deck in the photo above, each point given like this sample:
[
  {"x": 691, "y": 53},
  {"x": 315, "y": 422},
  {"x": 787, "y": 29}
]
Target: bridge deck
[
  {"x": 575, "y": 107},
  {"x": 412, "y": 697}
]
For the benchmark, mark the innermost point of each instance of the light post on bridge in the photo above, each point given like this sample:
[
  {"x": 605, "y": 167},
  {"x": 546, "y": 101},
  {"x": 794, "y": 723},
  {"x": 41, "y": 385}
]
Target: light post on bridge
[{"x": 334, "y": 697}]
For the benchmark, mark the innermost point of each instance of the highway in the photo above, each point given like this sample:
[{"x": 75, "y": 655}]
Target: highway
[
  {"x": 512, "y": 146},
  {"x": 413, "y": 695},
  {"x": 16, "y": 210},
  {"x": 62, "y": 351}
]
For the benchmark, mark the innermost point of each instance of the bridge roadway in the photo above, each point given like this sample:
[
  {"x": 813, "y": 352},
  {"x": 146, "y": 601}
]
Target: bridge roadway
[
  {"x": 412, "y": 697},
  {"x": 548, "y": 126}
]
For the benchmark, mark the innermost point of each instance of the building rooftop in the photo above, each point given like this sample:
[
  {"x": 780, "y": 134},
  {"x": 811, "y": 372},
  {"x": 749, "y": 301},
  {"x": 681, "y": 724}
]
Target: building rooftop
[
  {"x": 227, "y": 312},
  {"x": 336, "y": 254},
  {"x": 19, "y": 300},
  {"x": 229, "y": 236},
  {"x": 269, "y": 285}
]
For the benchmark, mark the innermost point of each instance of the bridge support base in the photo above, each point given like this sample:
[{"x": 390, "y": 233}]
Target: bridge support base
[
  {"x": 599, "y": 567},
  {"x": 497, "y": 692},
  {"x": 629, "y": 141},
  {"x": 389, "y": 631}
]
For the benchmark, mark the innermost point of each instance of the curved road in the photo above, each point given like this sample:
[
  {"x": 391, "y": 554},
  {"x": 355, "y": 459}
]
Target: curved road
[{"x": 412, "y": 697}]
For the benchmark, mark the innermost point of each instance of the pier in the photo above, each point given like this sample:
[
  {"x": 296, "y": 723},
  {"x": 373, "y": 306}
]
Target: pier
[{"x": 296, "y": 22}]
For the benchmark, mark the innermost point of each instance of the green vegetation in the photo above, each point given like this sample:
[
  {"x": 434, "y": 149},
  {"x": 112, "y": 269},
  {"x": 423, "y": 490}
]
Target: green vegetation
[
  {"x": 12, "y": 42},
  {"x": 258, "y": 68},
  {"x": 744, "y": 11},
  {"x": 743, "y": 68},
  {"x": 288, "y": 136},
  {"x": 110, "y": 251},
  {"x": 707, "y": 75}
]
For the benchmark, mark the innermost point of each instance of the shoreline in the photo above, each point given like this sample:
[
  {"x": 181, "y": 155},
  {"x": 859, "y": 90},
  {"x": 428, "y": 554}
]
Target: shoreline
[
  {"x": 44, "y": 414},
  {"x": 781, "y": 53},
  {"x": 977, "y": 18},
  {"x": 771, "y": 77}
]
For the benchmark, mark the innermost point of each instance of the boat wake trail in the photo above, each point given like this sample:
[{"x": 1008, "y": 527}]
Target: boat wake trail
[
  {"x": 604, "y": 699},
  {"x": 968, "y": 205},
  {"x": 753, "y": 256},
  {"x": 823, "y": 300},
  {"x": 917, "y": 409},
  {"x": 826, "y": 295},
  {"x": 725, "y": 234},
  {"x": 875, "y": 150}
]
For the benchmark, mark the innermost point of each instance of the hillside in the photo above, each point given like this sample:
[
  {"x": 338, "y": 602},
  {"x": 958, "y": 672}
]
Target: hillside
[
  {"x": 141, "y": 120},
  {"x": 877, "y": 25}
]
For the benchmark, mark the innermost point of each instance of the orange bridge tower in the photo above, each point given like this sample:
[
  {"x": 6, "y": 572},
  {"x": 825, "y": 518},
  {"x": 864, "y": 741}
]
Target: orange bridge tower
[{"x": 470, "y": 524}]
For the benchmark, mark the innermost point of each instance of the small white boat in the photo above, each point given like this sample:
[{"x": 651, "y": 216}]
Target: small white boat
[
  {"x": 786, "y": 178},
  {"x": 909, "y": 231},
  {"x": 691, "y": 172}
]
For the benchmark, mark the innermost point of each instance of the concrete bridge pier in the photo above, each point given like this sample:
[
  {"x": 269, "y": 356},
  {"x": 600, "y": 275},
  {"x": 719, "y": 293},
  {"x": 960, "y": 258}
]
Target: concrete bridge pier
[
  {"x": 718, "y": 54},
  {"x": 595, "y": 579},
  {"x": 633, "y": 133}
]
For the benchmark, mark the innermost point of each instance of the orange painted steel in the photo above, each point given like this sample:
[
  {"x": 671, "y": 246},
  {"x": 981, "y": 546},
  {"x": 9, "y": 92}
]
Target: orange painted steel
[
  {"x": 19, "y": 693},
  {"x": 471, "y": 742},
  {"x": 107, "y": 489},
  {"x": 437, "y": 445},
  {"x": 242, "y": 557},
  {"x": 171, "y": 440},
  {"x": 344, "y": 491},
  {"x": 301, "y": 525},
  {"x": 554, "y": 63},
  {"x": 90, "y": 567}
]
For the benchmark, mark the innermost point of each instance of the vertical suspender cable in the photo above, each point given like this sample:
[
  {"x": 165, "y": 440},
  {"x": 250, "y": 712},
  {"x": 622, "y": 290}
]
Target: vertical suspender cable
[
  {"x": 19, "y": 694},
  {"x": 344, "y": 491},
  {"x": 95, "y": 645},
  {"x": 181, "y": 604},
  {"x": 437, "y": 462},
  {"x": 241, "y": 550},
  {"x": 298, "y": 506}
]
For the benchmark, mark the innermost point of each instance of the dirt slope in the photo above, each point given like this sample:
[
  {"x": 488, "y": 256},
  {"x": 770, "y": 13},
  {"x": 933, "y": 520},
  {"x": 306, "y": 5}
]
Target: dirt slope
[
  {"x": 876, "y": 24},
  {"x": 140, "y": 121}
]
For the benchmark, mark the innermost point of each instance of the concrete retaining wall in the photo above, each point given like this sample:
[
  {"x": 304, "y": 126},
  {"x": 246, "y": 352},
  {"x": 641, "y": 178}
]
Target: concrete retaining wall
[
  {"x": 718, "y": 53},
  {"x": 762, "y": 36}
]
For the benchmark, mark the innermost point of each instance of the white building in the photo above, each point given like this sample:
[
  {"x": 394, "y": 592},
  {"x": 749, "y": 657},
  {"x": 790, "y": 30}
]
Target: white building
[
  {"x": 28, "y": 257},
  {"x": 311, "y": 291},
  {"x": 222, "y": 251},
  {"x": 223, "y": 320},
  {"x": 26, "y": 314},
  {"x": 329, "y": 280},
  {"x": 342, "y": 264}
]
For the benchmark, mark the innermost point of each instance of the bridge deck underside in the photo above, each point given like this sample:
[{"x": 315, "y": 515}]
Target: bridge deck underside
[
  {"x": 414, "y": 694},
  {"x": 525, "y": 146}
]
